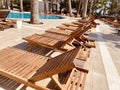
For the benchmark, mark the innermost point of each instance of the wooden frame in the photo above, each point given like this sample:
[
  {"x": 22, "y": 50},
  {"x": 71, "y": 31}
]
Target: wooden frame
[
  {"x": 53, "y": 43},
  {"x": 27, "y": 68},
  {"x": 87, "y": 42}
]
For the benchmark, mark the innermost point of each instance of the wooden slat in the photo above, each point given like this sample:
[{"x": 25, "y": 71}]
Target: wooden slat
[
  {"x": 56, "y": 36},
  {"x": 17, "y": 63},
  {"x": 83, "y": 81},
  {"x": 63, "y": 27},
  {"x": 83, "y": 54},
  {"x": 62, "y": 32},
  {"x": 79, "y": 80},
  {"x": 69, "y": 24},
  {"x": 17, "y": 73},
  {"x": 68, "y": 83},
  {"x": 73, "y": 83},
  {"x": 45, "y": 41}
]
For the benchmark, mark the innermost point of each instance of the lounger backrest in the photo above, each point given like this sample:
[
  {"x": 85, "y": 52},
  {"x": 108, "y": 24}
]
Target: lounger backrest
[
  {"x": 77, "y": 32},
  {"x": 57, "y": 65},
  {"x": 83, "y": 31}
]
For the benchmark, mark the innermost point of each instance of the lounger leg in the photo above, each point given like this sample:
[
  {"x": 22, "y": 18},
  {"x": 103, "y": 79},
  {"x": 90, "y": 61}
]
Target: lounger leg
[
  {"x": 30, "y": 47},
  {"x": 57, "y": 82},
  {"x": 1, "y": 29},
  {"x": 118, "y": 31}
]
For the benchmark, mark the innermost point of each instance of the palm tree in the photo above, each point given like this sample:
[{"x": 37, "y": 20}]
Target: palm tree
[
  {"x": 1, "y": 3},
  {"x": 21, "y": 5},
  {"x": 6, "y": 4},
  {"x": 90, "y": 7},
  {"x": 11, "y": 4},
  {"x": 34, "y": 12},
  {"x": 61, "y": 6},
  {"x": 45, "y": 10},
  {"x": 84, "y": 12},
  {"x": 51, "y": 6},
  {"x": 115, "y": 8},
  {"x": 79, "y": 5},
  {"x": 70, "y": 7}
]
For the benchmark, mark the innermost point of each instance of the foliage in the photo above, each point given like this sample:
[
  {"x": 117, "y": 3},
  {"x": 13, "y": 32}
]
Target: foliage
[
  {"x": 99, "y": 7},
  {"x": 64, "y": 5}
]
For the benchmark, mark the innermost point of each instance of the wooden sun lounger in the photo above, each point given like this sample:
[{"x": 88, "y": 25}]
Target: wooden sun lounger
[
  {"x": 28, "y": 68},
  {"x": 58, "y": 31},
  {"x": 63, "y": 27},
  {"x": 7, "y": 23},
  {"x": 56, "y": 43},
  {"x": 4, "y": 14},
  {"x": 117, "y": 24},
  {"x": 92, "y": 21},
  {"x": 66, "y": 30},
  {"x": 56, "y": 36},
  {"x": 86, "y": 42},
  {"x": 71, "y": 24},
  {"x": 84, "y": 54},
  {"x": 37, "y": 39},
  {"x": 79, "y": 23}
]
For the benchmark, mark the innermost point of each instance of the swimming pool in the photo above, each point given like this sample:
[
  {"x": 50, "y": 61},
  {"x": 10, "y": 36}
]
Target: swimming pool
[{"x": 27, "y": 16}]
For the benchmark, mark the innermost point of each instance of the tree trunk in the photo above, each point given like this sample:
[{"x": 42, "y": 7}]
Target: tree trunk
[
  {"x": 84, "y": 12},
  {"x": 90, "y": 9},
  {"x": 79, "y": 5},
  {"x": 21, "y": 5},
  {"x": 113, "y": 6},
  {"x": 60, "y": 6},
  {"x": 93, "y": 7},
  {"x": 45, "y": 10},
  {"x": 34, "y": 12},
  {"x": 70, "y": 7},
  {"x": 6, "y": 4},
  {"x": 51, "y": 6},
  {"x": 1, "y": 4},
  {"x": 11, "y": 4}
]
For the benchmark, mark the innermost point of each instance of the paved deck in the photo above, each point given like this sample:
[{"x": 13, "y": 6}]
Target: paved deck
[{"x": 103, "y": 64}]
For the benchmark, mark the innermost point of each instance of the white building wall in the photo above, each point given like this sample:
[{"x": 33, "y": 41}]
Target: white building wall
[{"x": 41, "y": 6}]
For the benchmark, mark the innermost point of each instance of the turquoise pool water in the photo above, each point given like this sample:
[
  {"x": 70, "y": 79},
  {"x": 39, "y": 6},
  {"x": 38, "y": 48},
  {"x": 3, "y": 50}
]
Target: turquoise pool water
[{"x": 27, "y": 16}]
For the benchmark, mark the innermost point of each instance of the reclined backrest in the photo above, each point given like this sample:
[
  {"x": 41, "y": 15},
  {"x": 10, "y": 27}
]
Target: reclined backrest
[
  {"x": 57, "y": 65},
  {"x": 77, "y": 33}
]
